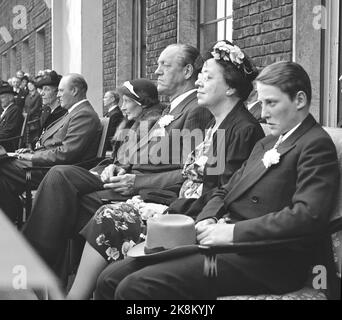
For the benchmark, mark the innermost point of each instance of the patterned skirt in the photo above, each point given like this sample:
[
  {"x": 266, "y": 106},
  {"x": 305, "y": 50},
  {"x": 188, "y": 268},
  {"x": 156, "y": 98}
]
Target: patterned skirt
[{"x": 114, "y": 230}]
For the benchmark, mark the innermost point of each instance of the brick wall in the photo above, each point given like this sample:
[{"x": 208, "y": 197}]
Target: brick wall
[
  {"x": 264, "y": 29},
  {"x": 161, "y": 30},
  {"x": 38, "y": 14},
  {"x": 109, "y": 44}
]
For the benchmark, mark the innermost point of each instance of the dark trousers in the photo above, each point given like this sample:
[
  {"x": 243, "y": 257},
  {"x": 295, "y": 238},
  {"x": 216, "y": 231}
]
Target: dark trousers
[
  {"x": 12, "y": 184},
  {"x": 65, "y": 201},
  {"x": 183, "y": 278}
]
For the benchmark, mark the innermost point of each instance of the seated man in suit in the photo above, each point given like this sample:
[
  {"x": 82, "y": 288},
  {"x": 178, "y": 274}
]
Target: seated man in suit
[
  {"x": 286, "y": 189},
  {"x": 52, "y": 110},
  {"x": 11, "y": 118},
  {"x": 111, "y": 101},
  {"x": 19, "y": 94},
  {"x": 72, "y": 139},
  {"x": 79, "y": 193}
]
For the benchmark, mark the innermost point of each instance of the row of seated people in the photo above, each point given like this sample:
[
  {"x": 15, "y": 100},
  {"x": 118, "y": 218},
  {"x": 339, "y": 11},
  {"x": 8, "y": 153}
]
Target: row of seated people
[{"x": 262, "y": 195}]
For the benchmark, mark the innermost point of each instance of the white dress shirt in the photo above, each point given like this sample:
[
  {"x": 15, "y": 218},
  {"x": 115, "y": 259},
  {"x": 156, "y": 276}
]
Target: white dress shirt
[
  {"x": 175, "y": 103},
  {"x": 76, "y": 105}
]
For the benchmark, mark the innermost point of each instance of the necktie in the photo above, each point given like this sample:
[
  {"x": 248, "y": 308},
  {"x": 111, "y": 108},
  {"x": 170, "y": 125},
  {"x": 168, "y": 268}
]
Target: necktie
[
  {"x": 279, "y": 142},
  {"x": 166, "y": 111}
]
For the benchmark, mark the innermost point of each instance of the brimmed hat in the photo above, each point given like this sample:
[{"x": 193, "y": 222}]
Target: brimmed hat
[
  {"x": 143, "y": 91},
  {"x": 167, "y": 236},
  {"x": 5, "y": 87},
  {"x": 51, "y": 79}
]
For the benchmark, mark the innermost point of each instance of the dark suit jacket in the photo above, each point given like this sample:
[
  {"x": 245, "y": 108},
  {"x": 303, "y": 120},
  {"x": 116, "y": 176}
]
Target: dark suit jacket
[
  {"x": 73, "y": 139},
  {"x": 10, "y": 126},
  {"x": 241, "y": 133},
  {"x": 291, "y": 199},
  {"x": 188, "y": 115},
  {"x": 115, "y": 118},
  {"x": 20, "y": 98},
  {"x": 48, "y": 117}
]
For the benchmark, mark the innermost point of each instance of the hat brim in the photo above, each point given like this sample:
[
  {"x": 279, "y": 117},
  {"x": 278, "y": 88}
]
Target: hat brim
[{"x": 138, "y": 252}]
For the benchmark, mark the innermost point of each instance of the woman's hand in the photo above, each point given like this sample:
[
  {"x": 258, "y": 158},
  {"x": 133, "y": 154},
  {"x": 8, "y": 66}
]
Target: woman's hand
[
  {"x": 107, "y": 173},
  {"x": 111, "y": 171},
  {"x": 123, "y": 184},
  {"x": 149, "y": 210},
  {"x": 219, "y": 234}
]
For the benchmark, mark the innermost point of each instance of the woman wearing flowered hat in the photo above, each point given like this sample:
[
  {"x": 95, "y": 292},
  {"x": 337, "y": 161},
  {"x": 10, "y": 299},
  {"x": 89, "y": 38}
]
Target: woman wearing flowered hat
[{"x": 223, "y": 86}]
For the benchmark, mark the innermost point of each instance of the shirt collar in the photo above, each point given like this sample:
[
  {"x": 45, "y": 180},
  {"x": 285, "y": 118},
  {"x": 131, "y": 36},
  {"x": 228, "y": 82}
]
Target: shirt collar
[
  {"x": 76, "y": 105},
  {"x": 112, "y": 108},
  {"x": 175, "y": 103},
  {"x": 287, "y": 135},
  {"x": 5, "y": 109}
]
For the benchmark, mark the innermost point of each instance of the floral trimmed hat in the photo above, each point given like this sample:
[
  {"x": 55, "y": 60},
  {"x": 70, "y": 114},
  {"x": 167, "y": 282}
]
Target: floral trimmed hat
[{"x": 226, "y": 51}]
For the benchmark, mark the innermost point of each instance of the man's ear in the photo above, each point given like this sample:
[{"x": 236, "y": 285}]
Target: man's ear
[
  {"x": 230, "y": 92},
  {"x": 75, "y": 91},
  {"x": 188, "y": 71},
  {"x": 301, "y": 100}
]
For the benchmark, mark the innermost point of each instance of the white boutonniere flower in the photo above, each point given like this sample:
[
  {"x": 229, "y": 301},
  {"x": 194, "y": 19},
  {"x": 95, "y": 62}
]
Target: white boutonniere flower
[
  {"x": 163, "y": 123},
  {"x": 271, "y": 158},
  {"x": 166, "y": 121}
]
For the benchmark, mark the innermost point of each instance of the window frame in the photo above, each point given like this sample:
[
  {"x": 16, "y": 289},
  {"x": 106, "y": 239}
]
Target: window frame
[{"x": 203, "y": 22}]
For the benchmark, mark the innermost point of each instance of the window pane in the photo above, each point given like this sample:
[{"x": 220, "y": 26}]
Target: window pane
[
  {"x": 221, "y": 8},
  {"x": 229, "y": 29},
  {"x": 220, "y": 30},
  {"x": 229, "y": 8}
]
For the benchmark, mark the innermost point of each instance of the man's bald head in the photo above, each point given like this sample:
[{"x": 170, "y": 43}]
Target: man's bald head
[{"x": 72, "y": 89}]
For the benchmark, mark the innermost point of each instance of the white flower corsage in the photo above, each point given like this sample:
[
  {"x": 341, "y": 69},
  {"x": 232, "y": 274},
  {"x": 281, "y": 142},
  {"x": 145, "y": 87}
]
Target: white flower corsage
[
  {"x": 271, "y": 158},
  {"x": 163, "y": 123},
  {"x": 227, "y": 52},
  {"x": 166, "y": 121}
]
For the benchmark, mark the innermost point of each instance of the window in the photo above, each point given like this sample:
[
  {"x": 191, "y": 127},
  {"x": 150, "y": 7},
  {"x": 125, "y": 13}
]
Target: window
[
  {"x": 25, "y": 56},
  {"x": 13, "y": 61},
  {"x": 216, "y": 21},
  {"x": 40, "y": 50},
  {"x": 139, "y": 39},
  {"x": 4, "y": 67}
]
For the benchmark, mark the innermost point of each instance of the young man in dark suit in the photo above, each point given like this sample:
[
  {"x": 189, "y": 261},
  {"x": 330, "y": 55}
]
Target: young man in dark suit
[
  {"x": 286, "y": 189},
  {"x": 72, "y": 139},
  {"x": 111, "y": 102},
  {"x": 11, "y": 117},
  {"x": 50, "y": 226}
]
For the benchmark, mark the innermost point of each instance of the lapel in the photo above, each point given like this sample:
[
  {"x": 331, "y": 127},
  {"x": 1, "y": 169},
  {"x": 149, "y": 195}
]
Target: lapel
[
  {"x": 177, "y": 113},
  {"x": 3, "y": 119},
  {"x": 225, "y": 125},
  {"x": 55, "y": 126},
  {"x": 255, "y": 168},
  {"x": 113, "y": 112}
]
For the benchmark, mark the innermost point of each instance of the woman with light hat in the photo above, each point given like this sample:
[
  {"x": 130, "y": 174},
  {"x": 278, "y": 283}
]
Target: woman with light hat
[
  {"x": 223, "y": 86},
  {"x": 141, "y": 109}
]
